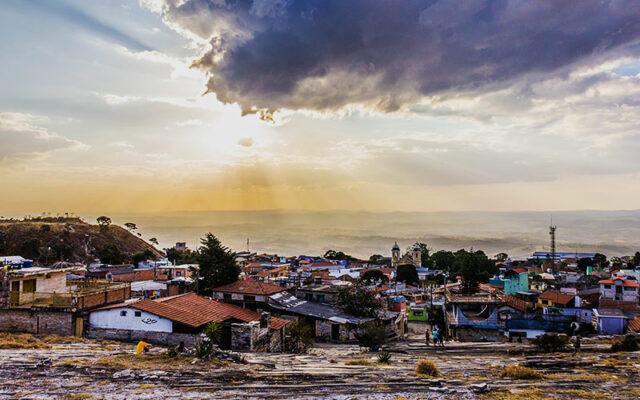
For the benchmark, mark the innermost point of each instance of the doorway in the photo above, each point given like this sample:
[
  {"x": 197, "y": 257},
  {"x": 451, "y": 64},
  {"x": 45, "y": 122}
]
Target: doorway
[{"x": 335, "y": 332}]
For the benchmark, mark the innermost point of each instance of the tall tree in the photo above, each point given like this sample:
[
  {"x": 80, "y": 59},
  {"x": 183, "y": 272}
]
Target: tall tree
[
  {"x": 373, "y": 275},
  {"x": 217, "y": 265},
  {"x": 359, "y": 301},
  {"x": 131, "y": 226},
  {"x": 110, "y": 254},
  {"x": 407, "y": 274},
  {"x": 154, "y": 241},
  {"x": 442, "y": 260}
]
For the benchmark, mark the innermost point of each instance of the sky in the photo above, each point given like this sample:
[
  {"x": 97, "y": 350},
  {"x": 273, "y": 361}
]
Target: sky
[{"x": 386, "y": 105}]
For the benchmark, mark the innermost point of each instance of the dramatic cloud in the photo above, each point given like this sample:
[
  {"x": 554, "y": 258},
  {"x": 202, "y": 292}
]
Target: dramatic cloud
[{"x": 268, "y": 55}]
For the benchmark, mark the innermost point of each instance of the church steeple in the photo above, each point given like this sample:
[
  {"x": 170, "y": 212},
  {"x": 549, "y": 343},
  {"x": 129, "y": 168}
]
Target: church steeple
[{"x": 395, "y": 255}]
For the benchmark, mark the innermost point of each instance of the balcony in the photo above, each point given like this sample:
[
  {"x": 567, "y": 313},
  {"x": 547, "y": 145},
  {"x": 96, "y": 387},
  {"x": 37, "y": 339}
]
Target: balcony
[{"x": 80, "y": 295}]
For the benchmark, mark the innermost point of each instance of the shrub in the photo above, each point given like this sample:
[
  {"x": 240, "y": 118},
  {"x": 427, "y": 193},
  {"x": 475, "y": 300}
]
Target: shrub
[
  {"x": 384, "y": 358},
  {"x": 299, "y": 337},
  {"x": 629, "y": 343},
  {"x": 427, "y": 367},
  {"x": 551, "y": 342},
  {"x": 173, "y": 352},
  {"x": 202, "y": 349},
  {"x": 520, "y": 372},
  {"x": 371, "y": 335}
]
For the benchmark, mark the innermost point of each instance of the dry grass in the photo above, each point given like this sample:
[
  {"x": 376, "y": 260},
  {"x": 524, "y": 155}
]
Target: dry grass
[
  {"x": 517, "y": 394},
  {"x": 22, "y": 341},
  {"x": 520, "y": 372},
  {"x": 578, "y": 394},
  {"x": 359, "y": 361},
  {"x": 147, "y": 386},
  {"x": 78, "y": 396},
  {"x": 427, "y": 367},
  {"x": 55, "y": 339}
]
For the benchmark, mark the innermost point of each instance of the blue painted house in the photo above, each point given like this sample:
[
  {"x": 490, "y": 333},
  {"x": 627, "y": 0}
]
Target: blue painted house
[{"x": 610, "y": 321}]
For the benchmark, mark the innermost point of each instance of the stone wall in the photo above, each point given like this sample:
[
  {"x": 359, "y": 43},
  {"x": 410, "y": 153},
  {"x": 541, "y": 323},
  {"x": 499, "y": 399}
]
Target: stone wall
[
  {"x": 37, "y": 322},
  {"x": 480, "y": 335},
  {"x": 252, "y": 337},
  {"x": 161, "y": 338}
]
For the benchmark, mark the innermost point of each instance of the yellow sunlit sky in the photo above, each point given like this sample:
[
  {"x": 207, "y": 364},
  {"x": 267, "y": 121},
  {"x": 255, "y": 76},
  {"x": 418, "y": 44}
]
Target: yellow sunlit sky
[{"x": 167, "y": 105}]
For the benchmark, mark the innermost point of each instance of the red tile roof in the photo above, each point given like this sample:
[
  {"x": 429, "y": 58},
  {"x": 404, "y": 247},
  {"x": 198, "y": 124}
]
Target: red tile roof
[
  {"x": 250, "y": 287},
  {"x": 193, "y": 310},
  {"x": 625, "y": 282},
  {"x": 634, "y": 324},
  {"x": 557, "y": 297},
  {"x": 516, "y": 303},
  {"x": 519, "y": 270}
]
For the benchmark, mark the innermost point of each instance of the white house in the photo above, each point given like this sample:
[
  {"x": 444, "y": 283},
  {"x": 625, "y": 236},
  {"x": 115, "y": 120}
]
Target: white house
[{"x": 619, "y": 289}]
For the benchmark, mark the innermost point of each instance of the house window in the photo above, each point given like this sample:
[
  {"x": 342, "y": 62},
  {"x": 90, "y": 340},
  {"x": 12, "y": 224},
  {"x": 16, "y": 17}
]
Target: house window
[
  {"x": 227, "y": 296},
  {"x": 308, "y": 297},
  {"x": 249, "y": 298},
  {"x": 321, "y": 298},
  {"x": 178, "y": 273},
  {"x": 417, "y": 313},
  {"x": 138, "y": 313},
  {"x": 607, "y": 286},
  {"x": 123, "y": 313}
]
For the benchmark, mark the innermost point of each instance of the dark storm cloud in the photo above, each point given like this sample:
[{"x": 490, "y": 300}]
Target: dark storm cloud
[{"x": 325, "y": 54}]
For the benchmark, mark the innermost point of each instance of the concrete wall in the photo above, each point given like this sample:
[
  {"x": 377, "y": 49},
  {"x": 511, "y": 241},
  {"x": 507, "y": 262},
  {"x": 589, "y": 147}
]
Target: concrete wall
[
  {"x": 479, "y": 335},
  {"x": 112, "y": 319},
  {"x": 37, "y": 322},
  {"x": 162, "y": 338}
]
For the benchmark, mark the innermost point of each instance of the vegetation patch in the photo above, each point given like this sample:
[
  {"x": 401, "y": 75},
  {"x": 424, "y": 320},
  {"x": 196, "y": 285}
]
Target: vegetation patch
[
  {"x": 22, "y": 341},
  {"x": 549, "y": 343},
  {"x": 520, "y": 372},
  {"x": 384, "y": 358},
  {"x": 629, "y": 343},
  {"x": 78, "y": 396},
  {"x": 427, "y": 367},
  {"x": 359, "y": 361}
]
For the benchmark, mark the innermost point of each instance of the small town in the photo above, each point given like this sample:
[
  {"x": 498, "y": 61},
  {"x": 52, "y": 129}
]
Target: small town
[
  {"x": 319, "y": 199},
  {"x": 412, "y": 323}
]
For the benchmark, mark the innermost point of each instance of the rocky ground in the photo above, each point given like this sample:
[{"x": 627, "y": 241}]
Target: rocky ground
[{"x": 92, "y": 370}]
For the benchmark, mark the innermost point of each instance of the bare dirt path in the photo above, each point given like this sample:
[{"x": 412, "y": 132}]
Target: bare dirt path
[{"x": 468, "y": 371}]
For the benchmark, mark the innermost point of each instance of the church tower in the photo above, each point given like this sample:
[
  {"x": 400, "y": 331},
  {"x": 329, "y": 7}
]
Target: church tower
[
  {"x": 395, "y": 255},
  {"x": 417, "y": 256}
]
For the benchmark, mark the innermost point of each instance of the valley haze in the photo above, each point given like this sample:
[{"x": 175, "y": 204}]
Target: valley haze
[{"x": 363, "y": 233}]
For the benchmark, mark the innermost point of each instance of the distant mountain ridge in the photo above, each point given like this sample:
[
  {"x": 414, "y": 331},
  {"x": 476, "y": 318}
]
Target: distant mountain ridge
[{"x": 46, "y": 240}]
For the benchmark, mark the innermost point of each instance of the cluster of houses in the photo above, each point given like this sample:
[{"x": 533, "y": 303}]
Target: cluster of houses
[{"x": 155, "y": 299}]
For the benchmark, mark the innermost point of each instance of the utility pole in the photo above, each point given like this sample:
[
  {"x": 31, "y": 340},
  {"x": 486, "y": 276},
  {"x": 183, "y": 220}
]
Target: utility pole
[{"x": 552, "y": 234}]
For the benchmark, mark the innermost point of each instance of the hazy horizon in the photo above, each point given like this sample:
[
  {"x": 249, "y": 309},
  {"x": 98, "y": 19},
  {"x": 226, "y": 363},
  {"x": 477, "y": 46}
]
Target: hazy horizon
[{"x": 363, "y": 233}]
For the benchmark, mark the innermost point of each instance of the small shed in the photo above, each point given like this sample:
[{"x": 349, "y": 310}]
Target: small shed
[{"x": 610, "y": 321}]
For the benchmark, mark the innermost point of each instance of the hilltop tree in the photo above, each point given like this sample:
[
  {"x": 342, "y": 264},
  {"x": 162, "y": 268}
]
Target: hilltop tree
[
  {"x": 104, "y": 222},
  {"x": 154, "y": 241},
  {"x": 130, "y": 226},
  {"x": 375, "y": 259},
  {"x": 217, "y": 265},
  {"x": 337, "y": 255},
  {"x": 502, "y": 257}
]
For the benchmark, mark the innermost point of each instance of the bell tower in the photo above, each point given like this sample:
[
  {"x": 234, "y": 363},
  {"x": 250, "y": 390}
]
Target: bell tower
[
  {"x": 417, "y": 256},
  {"x": 395, "y": 255}
]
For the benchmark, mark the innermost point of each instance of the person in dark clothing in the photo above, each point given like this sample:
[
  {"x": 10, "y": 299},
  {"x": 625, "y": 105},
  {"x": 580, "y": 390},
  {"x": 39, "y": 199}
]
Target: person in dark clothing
[{"x": 427, "y": 334}]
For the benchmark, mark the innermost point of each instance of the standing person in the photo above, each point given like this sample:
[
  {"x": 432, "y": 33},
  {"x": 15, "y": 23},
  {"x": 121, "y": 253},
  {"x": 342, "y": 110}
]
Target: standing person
[
  {"x": 427, "y": 334},
  {"x": 435, "y": 337},
  {"x": 576, "y": 345},
  {"x": 441, "y": 339}
]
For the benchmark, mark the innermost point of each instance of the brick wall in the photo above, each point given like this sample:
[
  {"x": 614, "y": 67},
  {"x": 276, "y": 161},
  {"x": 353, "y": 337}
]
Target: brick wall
[{"x": 37, "y": 322}]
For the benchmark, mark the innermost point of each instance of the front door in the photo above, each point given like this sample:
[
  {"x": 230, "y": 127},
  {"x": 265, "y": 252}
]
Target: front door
[
  {"x": 225, "y": 338},
  {"x": 335, "y": 332},
  {"x": 15, "y": 293}
]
